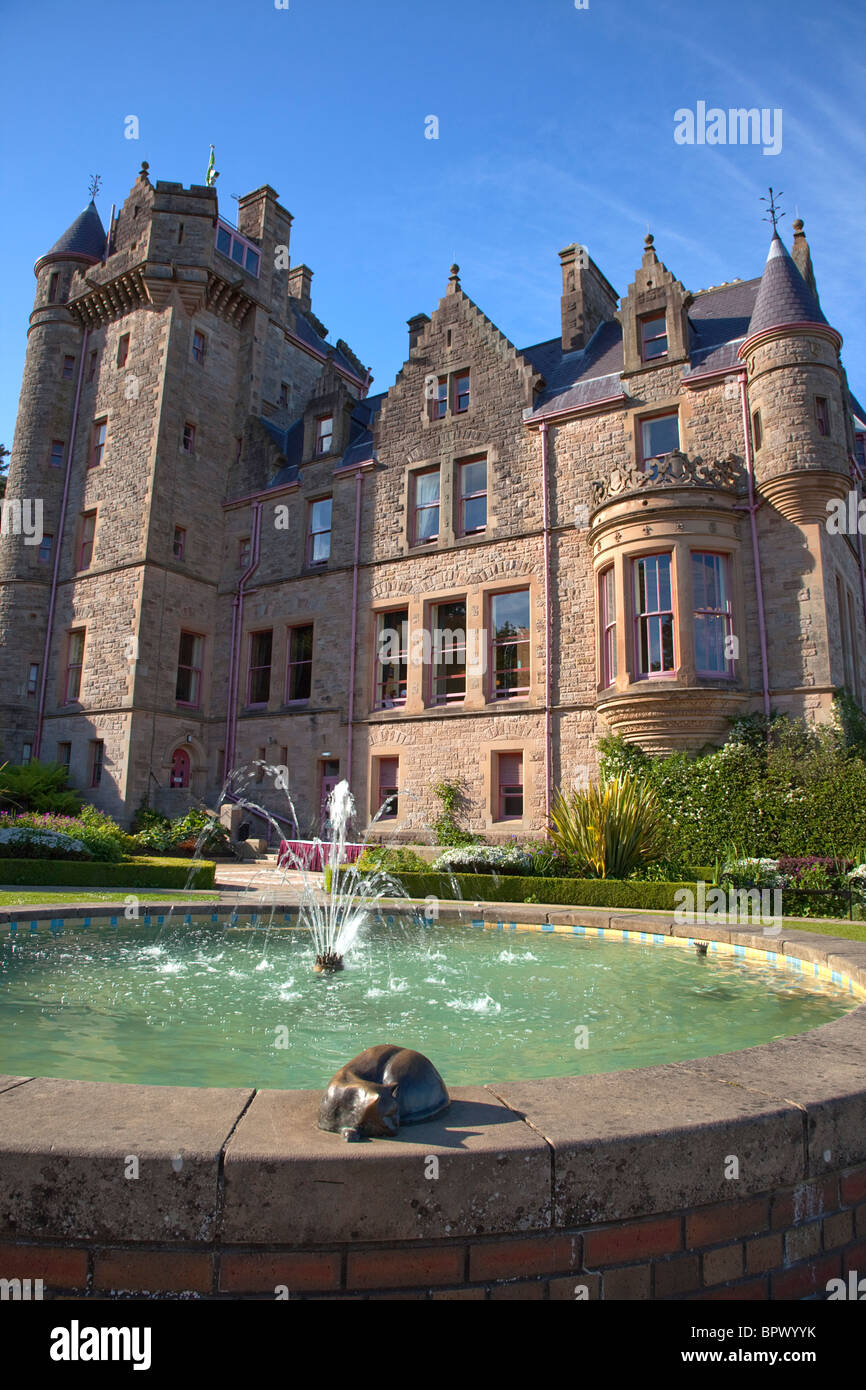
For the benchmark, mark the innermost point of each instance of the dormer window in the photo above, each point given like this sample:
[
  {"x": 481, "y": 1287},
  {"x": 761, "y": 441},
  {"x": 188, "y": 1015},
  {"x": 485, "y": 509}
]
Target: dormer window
[
  {"x": 659, "y": 436},
  {"x": 237, "y": 248},
  {"x": 653, "y": 337},
  {"x": 324, "y": 434}
]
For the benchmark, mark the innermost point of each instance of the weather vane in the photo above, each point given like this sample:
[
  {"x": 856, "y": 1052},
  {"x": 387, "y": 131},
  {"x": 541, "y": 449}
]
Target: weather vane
[
  {"x": 773, "y": 209},
  {"x": 95, "y": 181}
]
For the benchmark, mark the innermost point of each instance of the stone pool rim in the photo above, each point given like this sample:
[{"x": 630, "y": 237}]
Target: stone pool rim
[{"x": 613, "y": 1182}]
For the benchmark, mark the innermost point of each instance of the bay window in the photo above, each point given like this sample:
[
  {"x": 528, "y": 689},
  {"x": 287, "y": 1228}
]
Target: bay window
[{"x": 654, "y": 616}]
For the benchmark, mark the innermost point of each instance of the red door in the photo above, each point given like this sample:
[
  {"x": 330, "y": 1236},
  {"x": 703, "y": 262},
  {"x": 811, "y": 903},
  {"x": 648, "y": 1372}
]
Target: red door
[{"x": 179, "y": 768}]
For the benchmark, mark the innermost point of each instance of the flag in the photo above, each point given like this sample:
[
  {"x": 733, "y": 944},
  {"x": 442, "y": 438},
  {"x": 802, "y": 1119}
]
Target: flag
[{"x": 210, "y": 173}]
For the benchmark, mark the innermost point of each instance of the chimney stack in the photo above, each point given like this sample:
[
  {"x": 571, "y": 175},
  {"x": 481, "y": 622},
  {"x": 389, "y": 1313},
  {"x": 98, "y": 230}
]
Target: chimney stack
[
  {"x": 417, "y": 325},
  {"x": 587, "y": 298},
  {"x": 300, "y": 281},
  {"x": 802, "y": 257}
]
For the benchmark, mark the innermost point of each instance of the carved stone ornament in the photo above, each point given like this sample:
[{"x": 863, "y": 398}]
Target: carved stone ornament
[{"x": 671, "y": 470}]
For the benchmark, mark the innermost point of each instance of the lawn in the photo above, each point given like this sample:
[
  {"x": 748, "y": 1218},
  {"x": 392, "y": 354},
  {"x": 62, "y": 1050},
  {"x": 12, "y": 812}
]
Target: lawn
[{"x": 45, "y": 897}]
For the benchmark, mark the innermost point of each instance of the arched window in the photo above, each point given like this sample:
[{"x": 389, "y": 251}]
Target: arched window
[{"x": 179, "y": 768}]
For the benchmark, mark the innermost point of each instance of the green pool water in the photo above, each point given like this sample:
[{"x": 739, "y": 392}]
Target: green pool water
[{"x": 205, "y": 1006}]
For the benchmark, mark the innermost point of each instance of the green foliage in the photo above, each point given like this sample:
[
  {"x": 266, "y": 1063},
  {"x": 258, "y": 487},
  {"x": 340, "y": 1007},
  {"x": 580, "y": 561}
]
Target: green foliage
[
  {"x": 38, "y": 786},
  {"x": 141, "y": 873},
  {"x": 97, "y": 832},
  {"x": 156, "y": 832},
  {"x": 445, "y": 827},
  {"x": 589, "y": 892},
  {"x": 850, "y": 723},
  {"x": 776, "y": 788},
  {"x": 379, "y": 859},
  {"x": 610, "y": 828}
]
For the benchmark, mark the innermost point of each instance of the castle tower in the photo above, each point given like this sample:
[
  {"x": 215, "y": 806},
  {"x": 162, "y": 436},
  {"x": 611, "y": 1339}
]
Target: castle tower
[
  {"x": 799, "y": 416},
  {"x": 43, "y": 438}
]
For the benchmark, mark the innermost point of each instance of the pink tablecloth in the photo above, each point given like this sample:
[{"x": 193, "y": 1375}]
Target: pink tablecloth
[{"x": 312, "y": 854}]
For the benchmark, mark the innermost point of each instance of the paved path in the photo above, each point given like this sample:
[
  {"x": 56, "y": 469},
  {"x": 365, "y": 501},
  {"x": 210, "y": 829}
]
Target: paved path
[{"x": 237, "y": 882}]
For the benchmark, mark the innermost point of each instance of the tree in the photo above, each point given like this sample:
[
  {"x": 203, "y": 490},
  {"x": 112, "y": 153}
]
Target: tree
[{"x": 4, "y": 468}]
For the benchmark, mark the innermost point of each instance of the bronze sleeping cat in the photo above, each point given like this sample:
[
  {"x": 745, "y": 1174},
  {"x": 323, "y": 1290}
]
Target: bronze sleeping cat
[{"x": 380, "y": 1089}]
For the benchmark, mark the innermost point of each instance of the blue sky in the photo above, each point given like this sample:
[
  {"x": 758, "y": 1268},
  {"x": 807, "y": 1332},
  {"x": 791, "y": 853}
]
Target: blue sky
[{"x": 555, "y": 125}]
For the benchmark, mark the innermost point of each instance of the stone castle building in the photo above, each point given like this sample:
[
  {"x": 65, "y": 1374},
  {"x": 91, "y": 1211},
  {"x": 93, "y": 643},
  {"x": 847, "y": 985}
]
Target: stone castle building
[{"x": 247, "y": 556}]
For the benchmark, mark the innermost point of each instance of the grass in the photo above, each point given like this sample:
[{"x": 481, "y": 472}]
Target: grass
[{"x": 47, "y": 896}]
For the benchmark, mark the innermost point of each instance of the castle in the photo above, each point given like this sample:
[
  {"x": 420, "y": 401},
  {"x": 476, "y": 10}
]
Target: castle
[{"x": 246, "y": 557}]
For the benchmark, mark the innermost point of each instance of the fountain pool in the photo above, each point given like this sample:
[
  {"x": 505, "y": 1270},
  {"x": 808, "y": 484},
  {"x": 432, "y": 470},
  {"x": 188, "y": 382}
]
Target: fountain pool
[{"x": 201, "y": 1004}]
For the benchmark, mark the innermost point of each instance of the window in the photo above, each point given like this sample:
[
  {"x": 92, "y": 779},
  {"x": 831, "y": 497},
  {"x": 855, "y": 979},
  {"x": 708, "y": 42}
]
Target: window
[
  {"x": 189, "y": 438},
  {"x": 425, "y": 526},
  {"x": 392, "y": 653},
  {"x": 122, "y": 349},
  {"x": 233, "y": 245},
  {"x": 653, "y": 337},
  {"x": 473, "y": 496},
  {"x": 299, "y": 676},
  {"x": 461, "y": 393},
  {"x": 439, "y": 402},
  {"x": 822, "y": 415},
  {"x": 97, "y": 442},
  {"x": 178, "y": 545},
  {"x": 74, "y": 663},
  {"x": 68, "y": 368},
  {"x": 510, "y": 779},
  {"x": 659, "y": 436},
  {"x": 189, "y": 659},
  {"x": 198, "y": 347},
  {"x": 45, "y": 549},
  {"x": 389, "y": 769},
  {"x": 847, "y": 656},
  {"x": 26, "y": 754},
  {"x": 607, "y": 609},
  {"x": 32, "y": 678},
  {"x": 97, "y": 757},
  {"x": 284, "y": 395},
  {"x": 91, "y": 369},
  {"x": 852, "y": 642},
  {"x": 509, "y": 622},
  {"x": 712, "y": 618},
  {"x": 757, "y": 430},
  {"x": 85, "y": 546},
  {"x": 179, "y": 776},
  {"x": 324, "y": 434},
  {"x": 860, "y": 449},
  {"x": 448, "y": 667},
  {"x": 654, "y": 618},
  {"x": 320, "y": 531},
  {"x": 53, "y": 283},
  {"x": 64, "y": 754},
  {"x": 56, "y": 456},
  {"x": 259, "y": 688},
  {"x": 244, "y": 552}
]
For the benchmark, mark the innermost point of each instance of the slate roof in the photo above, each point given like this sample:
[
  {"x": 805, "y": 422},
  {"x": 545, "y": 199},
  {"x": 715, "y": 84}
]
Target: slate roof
[
  {"x": 86, "y": 237},
  {"x": 290, "y": 442},
  {"x": 783, "y": 297},
  {"x": 308, "y": 334}
]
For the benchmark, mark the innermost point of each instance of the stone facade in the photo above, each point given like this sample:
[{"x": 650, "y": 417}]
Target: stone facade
[{"x": 248, "y": 488}]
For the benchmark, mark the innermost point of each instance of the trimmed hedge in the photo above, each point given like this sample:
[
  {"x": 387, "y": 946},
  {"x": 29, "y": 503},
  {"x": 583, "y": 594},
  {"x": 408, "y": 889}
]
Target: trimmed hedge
[
  {"x": 136, "y": 873},
  {"x": 577, "y": 892}
]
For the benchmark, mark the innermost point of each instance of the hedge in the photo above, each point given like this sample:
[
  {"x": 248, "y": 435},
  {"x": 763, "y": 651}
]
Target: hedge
[
  {"x": 136, "y": 873},
  {"x": 577, "y": 892}
]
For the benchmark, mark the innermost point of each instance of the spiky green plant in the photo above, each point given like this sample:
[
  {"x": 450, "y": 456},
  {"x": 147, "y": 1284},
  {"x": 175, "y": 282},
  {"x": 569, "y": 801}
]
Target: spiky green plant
[{"x": 612, "y": 827}]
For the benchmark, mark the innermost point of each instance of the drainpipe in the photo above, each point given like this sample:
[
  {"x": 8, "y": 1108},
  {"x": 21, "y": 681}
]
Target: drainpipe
[
  {"x": 49, "y": 627},
  {"x": 358, "y": 477},
  {"x": 547, "y": 672},
  {"x": 752, "y": 509},
  {"x": 237, "y": 628}
]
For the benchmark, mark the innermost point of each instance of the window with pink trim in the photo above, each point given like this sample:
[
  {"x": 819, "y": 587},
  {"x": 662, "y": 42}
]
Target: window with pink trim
[
  {"x": 178, "y": 545},
  {"x": 392, "y": 658},
  {"x": 97, "y": 443},
  {"x": 653, "y": 337},
  {"x": 97, "y": 761},
  {"x": 74, "y": 664},
  {"x": 509, "y": 629},
  {"x": 32, "y": 678},
  {"x": 45, "y": 549},
  {"x": 659, "y": 435},
  {"x": 123, "y": 349},
  {"x": 425, "y": 506},
  {"x": 85, "y": 546},
  {"x": 439, "y": 401},
  {"x": 654, "y": 616},
  {"x": 189, "y": 667},
  {"x": 461, "y": 393},
  {"x": 299, "y": 675},
  {"x": 712, "y": 615},
  {"x": 822, "y": 415},
  {"x": 510, "y": 785},
  {"x": 473, "y": 496},
  {"x": 319, "y": 541},
  {"x": 199, "y": 349},
  {"x": 389, "y": 771},
  {"x": 607, "y": 608},
  {"x": 259, "y": 684},
  {"x": 56, "y": 456},
  {"x": 324, "y": 434},
  {"x": 448, "y": 667}
]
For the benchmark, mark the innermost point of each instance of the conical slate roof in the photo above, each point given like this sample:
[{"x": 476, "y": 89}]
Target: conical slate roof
[
  {"x": 783, "y": 295},
  {"x": 86, "y": 237}
]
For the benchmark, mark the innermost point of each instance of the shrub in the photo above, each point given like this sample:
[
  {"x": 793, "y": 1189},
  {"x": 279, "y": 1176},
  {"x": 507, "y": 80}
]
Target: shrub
[
  {"x": 97, "y": 832},
  {"x": 25, "y": 842},
  {"x": 159, "y": 834},
  {"x": 38, "y": 786},
  {"x": 612, "y": 827},
  {"x": 485, "y": 859},
  {"x": 93, "y": 874},
  {"x": 445, "y": 827},
  {"x": 379, "y": 859},
  {"x": 589, "y": 892}
]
